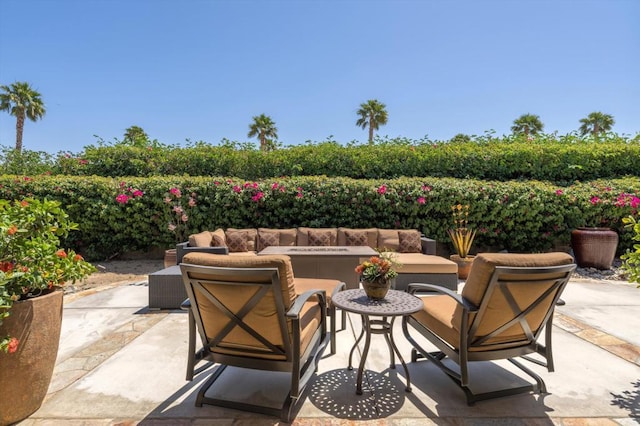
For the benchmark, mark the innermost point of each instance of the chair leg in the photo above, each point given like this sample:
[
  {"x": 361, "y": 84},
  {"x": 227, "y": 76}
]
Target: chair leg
[{"x": 191, "y": 359}]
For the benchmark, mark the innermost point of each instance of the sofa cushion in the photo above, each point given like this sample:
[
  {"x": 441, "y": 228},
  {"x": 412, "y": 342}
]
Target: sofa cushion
[
  {"x": 202, "y": 239},
  {"x": 371, "y": 236},
  {"x": 409, "y": 241},
  {"x": 355, "y": 238},
  {"x": 319, "y": 237},
  {"x": 418, "y": 263},
  {"x": 388, "y": 240},
  {"x": 267, "y": 239},
  {"x": 252, "y": 235},
  {"x": 218, "y": 239},
  {"x": 286, "y": 237},
  {"x": 236, "y": 241},
  {"x": 302, "y": 237}
]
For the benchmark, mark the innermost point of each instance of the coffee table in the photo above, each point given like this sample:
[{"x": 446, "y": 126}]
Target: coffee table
[
  {"x": 330, "y": 262},
  {"x": 395, "y": 304}
]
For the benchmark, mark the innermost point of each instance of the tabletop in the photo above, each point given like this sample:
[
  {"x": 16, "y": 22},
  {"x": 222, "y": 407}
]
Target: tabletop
[{"x": 395, "y": 303}]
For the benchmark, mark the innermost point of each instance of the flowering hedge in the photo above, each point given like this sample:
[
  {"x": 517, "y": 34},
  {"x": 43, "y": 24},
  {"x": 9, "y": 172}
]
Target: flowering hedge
[{"x": 116, "y": 216}]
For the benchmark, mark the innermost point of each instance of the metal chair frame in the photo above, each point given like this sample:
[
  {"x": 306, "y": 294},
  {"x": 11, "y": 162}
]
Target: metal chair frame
[
  {"x": 301, "y": 366},
  {"x": 475, "y": 347}
]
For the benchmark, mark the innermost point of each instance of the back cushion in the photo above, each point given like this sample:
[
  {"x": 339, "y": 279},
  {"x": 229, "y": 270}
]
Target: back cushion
[
  {"x": 276, "y": 237},
  {"x": 283, "y": 263},
  {"x": 409, "y": 241},
  {"x": 202, "y": 239},
  {"x": 251, "y": 235},
  {"x": 485, "y": 263},
  {"x": 236, "y": 241},
  {"x": 353, "y": 237},
  {"x": 388, "y": 239},
  {"x": 319, "y": 238},
  {"x": 302, "y": 237}
]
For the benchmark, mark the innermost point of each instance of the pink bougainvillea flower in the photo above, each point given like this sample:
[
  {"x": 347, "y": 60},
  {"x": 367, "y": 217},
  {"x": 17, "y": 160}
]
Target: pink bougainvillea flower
[
  {"x": 122, "y": 199},
  {"x": 167, "y": 200},
  {"x": 192, "y": 202},
  {"x": 559, "y": 192},
  {"x": 274, "y": 186},
  {"x": 13, "y": 345},
  {"x": 635, "y": 202},
  {"x": 426, "y": 188},
  {"x": 171, "y": 227},
  {"x": 177, "y": 209},
  {"x": 236, "y": 188},
  {"x": 176, "y": 192},
  {"x": 123, "y": 184},
  {"x": 258, "y": 196},
  {"x": 82, "y": 162},
  {"x": 594, "y": 200},
  {"x": 421, "y": 200},
  {"x": 184, "y": 217},
  {"x": 137, "y": 193},
  {"x": 382, "y": 189}
]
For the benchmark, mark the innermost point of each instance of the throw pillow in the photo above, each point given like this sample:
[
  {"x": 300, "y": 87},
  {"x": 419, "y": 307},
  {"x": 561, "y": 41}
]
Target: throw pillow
[
  {"x": 267, "y": 239},
  {"x": 319, "y": 238},
  {"x": 218, "y": 239},
  {"x": 236, "y": 241},
  {"x": 409, "y": 242},
  {"x": 355, "y": 238}
]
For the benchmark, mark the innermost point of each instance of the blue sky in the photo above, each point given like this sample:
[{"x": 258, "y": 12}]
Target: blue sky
[{"x": 200, "y": 70}]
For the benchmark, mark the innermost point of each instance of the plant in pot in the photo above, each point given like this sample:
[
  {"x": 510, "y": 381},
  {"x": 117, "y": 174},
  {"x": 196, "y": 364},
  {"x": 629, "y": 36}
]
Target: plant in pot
[
  {"x": 33, "y": 269},
  {"x": 377, "y": 274},
  {"x": 462, "y": 238},
  {"x": 177, "y": 218},
  {"x": 595, "y": 245}
]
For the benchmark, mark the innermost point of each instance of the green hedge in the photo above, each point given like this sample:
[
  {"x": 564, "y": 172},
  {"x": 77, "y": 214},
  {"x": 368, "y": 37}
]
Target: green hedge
[
  {"x": 559, "y": 159},
  {"x": 516, "y": 216}
]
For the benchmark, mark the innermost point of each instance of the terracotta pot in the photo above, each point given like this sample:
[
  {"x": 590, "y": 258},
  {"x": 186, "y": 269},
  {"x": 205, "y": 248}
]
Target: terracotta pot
[
  {"x": 25, "y": 375},
  {"x": 376, "y": 289},
  {"x": 170, "y": 258},
  {"x": 464, "y": 265},
  {"x": 594, "y": 247}
]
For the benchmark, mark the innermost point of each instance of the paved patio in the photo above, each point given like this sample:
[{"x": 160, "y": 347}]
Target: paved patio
[{"x": 121, "y": 364}]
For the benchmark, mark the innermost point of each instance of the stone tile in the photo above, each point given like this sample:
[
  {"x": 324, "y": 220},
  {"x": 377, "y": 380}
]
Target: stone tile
[{"x": 588, "y": 422}]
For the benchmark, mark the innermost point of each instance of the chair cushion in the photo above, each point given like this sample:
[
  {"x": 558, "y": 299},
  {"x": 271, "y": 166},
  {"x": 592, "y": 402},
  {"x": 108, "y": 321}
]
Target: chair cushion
[
  {"x": 353, "y": 237},
  {"x": 438, "y": 315},
  {"x": 306, "y": 284},
  {"x": 409, "y": 241},
  {"x": 485, "y": 263},
  {"x": 302, "y": 237}
]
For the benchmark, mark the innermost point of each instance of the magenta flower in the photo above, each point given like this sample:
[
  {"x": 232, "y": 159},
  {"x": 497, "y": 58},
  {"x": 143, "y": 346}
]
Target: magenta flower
[
  {"x": 559, "y": 192},
  {"x": 635, "y": 202},
  {"x": 426, "y": 188},
  {"x": 138, "y": 193},
  {"x": 274, "y": 186},
  {"x": 176, "y": 192},
  {"x": 421, "y": 200},
  {"x": 236, "y": 188},
  {"x": 258, "y": 196},
  {"x": 594, "y": 200},
  {"x": 382, "y": 189},
  {"x": 122, "y": 199}
]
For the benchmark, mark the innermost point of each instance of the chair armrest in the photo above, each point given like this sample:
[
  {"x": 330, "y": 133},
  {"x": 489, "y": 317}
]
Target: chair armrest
[
  {"x": 294, "y": 311},
  {"x": 186, "y": 305},
  {"x": 184, "y": 248},
  {"x": 469, "y": 307},
  {"x": 428, "y": 245}
]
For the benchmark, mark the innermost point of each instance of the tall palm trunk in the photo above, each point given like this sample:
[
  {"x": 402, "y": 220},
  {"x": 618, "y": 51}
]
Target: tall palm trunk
[
  {"x": 19, "y": 129},
  {"x": 370, "y": 130},
  {"x": 263, "y": 141},
  {"x": 596, "y": 129}
]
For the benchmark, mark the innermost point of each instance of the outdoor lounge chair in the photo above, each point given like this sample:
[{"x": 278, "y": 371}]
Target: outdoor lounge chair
[
  {"x": 505, "y": 304},
  {"x": 249, "y": 315}
]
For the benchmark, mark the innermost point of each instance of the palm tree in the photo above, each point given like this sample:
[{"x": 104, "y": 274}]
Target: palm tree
[
  {"x": 527, "y": 124},
  {"x": 265, "y": 128},
  {"x": 373, "y": 114},
  {"x": 21, "y": 101},
  {"x": 596, "y": 123},
  {"x": 136, "y": 136}
]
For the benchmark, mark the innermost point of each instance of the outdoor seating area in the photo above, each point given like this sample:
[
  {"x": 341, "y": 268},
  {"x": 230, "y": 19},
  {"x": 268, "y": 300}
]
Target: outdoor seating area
[{"x": 105, "y": 374}]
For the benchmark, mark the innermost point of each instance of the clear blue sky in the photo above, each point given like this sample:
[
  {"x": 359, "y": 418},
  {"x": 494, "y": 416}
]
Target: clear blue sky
[{"x": 201, "y": 69}]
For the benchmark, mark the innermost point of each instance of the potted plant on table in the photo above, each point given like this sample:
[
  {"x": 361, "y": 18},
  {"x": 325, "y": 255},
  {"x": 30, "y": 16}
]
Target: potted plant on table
[
  {"x": 377, "y": 274},
  {"x": 462, "y": 238},
  {"x": 33, "y": 269}
]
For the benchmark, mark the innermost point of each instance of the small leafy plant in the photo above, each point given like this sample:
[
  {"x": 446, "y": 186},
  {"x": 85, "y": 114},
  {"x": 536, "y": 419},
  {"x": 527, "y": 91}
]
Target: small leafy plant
[
  {"x": 632, "y": 258},
  {"x": 32, "y": 263},
  {"x": 461, "y": 236},
  {"x": 377, "y": 268}
]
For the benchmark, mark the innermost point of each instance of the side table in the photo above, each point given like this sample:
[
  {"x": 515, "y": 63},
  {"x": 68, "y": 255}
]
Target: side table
[
  {"x": 395, "y": 304},
  {"x": 166, "y": 289}
]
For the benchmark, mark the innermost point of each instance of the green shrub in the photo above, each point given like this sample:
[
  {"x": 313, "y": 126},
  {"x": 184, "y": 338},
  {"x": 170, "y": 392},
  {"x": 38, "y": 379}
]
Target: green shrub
[{"x": 632, "y": 257}]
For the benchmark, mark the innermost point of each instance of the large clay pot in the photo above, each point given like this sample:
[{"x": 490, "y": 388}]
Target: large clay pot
[
  {"x": 25, "y": 375},
  {"x": 464, "y": 265},
  {"x": 376, "y": 289},
  {"x": 594, "y": 247},
  {"x": 170, "y": 257}
]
